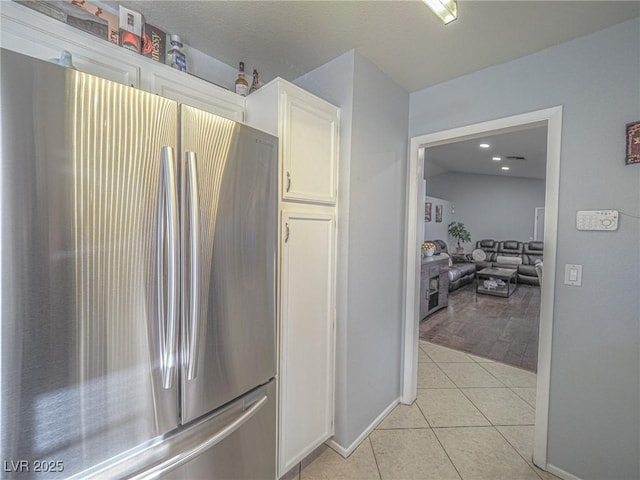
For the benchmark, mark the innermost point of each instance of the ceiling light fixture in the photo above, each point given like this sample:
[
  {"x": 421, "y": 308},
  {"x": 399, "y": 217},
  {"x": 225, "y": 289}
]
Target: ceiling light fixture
[
  {"x": 484, "y": 145},
  {"x": 505, "y": 168},
  {"x": 496, "y": 159},
  {"x": 446, "y": 10}
]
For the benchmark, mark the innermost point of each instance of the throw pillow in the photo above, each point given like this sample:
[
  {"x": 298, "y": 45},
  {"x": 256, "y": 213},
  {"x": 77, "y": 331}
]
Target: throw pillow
[
  {"x": 447, "y": 256},
  {"x": 478, "y": 255}
]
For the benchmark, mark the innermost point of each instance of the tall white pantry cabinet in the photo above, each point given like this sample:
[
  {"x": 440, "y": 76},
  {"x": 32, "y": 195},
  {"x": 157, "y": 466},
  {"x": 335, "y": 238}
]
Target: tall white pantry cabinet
[{"x": 307, "y": 128}]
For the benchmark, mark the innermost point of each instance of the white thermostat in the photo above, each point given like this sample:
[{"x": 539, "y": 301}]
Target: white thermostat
[{"x": 597, "y": 220}]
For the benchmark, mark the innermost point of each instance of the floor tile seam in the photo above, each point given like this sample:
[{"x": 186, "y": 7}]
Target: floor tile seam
[
  {"x": 476, "y": 407},
  {"x": 375, "y": 459},
  {"x": 524, "y": 399},
  {"x": 447, "y": 376},
  {"x": 446, "y": 453},
  {"x": 496, "y": 424},
  {"x": 489, "y": 372},
  {"x": 422, "y": 413},
  {"x": 524, "y": 370},
  {"x": 502, "y": 385},
  {"x": 379, "y": 429},
  {"x": 516, "y": 450}
]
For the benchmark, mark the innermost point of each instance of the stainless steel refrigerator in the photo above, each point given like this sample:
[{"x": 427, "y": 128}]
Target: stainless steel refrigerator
[{"x": 137, "y": 283}]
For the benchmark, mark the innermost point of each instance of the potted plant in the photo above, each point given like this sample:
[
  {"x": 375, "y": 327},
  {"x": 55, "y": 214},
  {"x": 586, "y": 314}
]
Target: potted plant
[{"x": 458, "y": 231}]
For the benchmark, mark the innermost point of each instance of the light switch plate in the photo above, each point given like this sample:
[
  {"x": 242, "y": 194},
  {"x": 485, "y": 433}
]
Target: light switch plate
[{"x": 573, "y": 275}]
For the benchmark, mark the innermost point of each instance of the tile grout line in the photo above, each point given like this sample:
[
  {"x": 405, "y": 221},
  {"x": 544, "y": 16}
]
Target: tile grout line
[
  {"x": 516, "y": 450},
  {"x": 375, "y": 459},
  {"x": 446, "y": 453}
]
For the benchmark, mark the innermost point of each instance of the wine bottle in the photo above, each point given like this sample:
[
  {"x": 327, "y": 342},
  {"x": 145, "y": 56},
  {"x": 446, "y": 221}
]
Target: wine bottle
[
  {"x": 242, "y": 86},
  {"x": 255, "y": 84}
]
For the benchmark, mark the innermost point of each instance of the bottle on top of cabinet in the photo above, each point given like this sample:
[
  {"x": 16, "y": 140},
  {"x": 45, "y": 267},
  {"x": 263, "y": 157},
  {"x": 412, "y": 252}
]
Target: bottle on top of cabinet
[
  {"x": 175, "y": 56},
  {"x": 242, "y": 86},
  {"x": 255, "y": 84}
]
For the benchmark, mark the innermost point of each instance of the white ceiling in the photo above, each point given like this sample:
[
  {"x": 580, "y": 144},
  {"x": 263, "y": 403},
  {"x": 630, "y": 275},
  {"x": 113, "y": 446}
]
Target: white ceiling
[
  {"x": 466, "y": 155},
  {"x": 403, "y": 38}
]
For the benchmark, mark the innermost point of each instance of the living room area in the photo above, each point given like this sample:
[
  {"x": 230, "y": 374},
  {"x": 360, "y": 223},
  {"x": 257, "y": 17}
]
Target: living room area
[{"x": 483, "y": 247}]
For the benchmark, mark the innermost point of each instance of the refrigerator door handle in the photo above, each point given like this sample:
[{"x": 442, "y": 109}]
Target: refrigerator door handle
[
  {"x": 168, "y": 223},
  {"x": 193, "y": 197},
  {"x": 157, "y": 471}
]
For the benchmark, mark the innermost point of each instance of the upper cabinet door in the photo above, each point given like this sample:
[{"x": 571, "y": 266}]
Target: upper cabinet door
[
  {"x": 31, "y": 33},
  {"x": 309, "y": 142},
  {"x": 193, "y": 91}
]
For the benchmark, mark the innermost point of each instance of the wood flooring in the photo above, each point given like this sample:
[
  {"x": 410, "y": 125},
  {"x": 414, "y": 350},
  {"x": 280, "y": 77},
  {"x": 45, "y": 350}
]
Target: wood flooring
[{"x": 502, "y": 329}]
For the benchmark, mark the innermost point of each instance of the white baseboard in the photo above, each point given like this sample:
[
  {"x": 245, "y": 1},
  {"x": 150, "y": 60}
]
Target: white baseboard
[
  {"x": 345, "y": 452},
  {"x": 558, "y": 472}
]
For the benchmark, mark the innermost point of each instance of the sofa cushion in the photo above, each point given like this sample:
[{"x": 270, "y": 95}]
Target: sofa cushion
[
  {"x": 532, "y": 251},
  {"x": 479, "y": 255},
  {"x": 510, "y": 248},
  {"x": 459, "y": 270},
  {"x": 508, "y": 260},
  {"x": 529, "y": 270}
]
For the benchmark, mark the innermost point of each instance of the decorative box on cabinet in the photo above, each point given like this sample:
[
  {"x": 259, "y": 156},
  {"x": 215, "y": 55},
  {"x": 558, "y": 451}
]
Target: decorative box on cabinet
[
  {"x": 308, "y": 130},
  {"x": 307, "y": 334}
]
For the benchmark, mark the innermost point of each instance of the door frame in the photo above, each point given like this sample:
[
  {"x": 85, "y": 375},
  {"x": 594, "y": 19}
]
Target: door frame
[
  {"x": 414, "y": 238},
  {"x": 535, "y": 222}
]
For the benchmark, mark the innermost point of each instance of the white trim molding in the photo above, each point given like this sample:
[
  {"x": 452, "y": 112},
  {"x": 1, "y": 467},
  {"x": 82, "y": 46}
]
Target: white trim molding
[
  {"x": 345, "y": 452},
  {"x": 552, "y": 117}
]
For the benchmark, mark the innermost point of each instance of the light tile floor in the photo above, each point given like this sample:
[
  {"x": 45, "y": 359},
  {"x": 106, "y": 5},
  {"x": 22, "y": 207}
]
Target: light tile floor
[{"x": 473, "y": 419}]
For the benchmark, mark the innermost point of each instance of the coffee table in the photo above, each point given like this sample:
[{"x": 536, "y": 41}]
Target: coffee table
[{"x": 501, "y": 282}]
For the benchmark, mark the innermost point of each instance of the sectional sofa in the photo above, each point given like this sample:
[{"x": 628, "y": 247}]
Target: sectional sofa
[
  {"x": 511, "y": 254},
  {"x": 501, "y": 254}
]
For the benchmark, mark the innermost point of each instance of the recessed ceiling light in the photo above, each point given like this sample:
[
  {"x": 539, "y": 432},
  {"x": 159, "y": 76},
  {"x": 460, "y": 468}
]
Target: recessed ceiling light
[
  {"x": 484, "y": 145},
  {"x": 505, "y": 168},
  {"x": 496, "y": 159}
]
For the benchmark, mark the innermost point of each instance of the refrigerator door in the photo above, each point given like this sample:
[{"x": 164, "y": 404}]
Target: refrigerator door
[
  {"x": 229, "y": 252},
  {"x": 86, "y": 361}
]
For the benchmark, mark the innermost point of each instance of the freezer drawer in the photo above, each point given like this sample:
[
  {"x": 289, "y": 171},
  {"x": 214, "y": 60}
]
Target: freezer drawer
[
  {"x": 247, "y": 453},
  {"x": 237, "y": 442}
]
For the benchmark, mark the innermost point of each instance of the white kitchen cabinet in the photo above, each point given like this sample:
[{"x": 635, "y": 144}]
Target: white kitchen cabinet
[
  {"x": 32, "y": 33},
  {"x": 308, "y": 130},
  {"x": 307, "y": 332},
  {"x": 193, "y": 91}
]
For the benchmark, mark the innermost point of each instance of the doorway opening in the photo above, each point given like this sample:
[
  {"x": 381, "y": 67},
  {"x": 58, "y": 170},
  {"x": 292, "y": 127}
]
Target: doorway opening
[
  {"x": 492, "y": 184},
  {"x": 414, "y": 223}
]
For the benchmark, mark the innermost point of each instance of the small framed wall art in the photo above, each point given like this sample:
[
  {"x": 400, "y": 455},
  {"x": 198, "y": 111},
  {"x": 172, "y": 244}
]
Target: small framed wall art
[
  {"x": 427, "y": 211},
  {"x": 633, "y": 143},
  {"x": 438, "y": 213}
]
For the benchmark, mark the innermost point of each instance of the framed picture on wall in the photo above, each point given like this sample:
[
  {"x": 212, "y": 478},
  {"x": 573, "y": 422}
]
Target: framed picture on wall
[
  {"x": 427, "y": 211},
  {"x": 438, "y": 213},
  {"x": 633, "y": 143}
]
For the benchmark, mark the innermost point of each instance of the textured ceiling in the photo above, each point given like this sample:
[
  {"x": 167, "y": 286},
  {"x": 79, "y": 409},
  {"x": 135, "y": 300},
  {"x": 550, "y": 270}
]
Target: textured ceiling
[{"x": 290, "y": 38}]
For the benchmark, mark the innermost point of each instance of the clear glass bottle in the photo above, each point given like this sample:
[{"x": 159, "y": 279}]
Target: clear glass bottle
[
  {"x": 175, "y": 56},
  {"x": 242, "y": 86},
  {"x": 255, "y": 84}
]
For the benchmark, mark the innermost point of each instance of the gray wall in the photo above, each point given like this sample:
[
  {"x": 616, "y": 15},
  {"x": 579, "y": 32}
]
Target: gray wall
[
  {"x": 439, "y": 231},
  {"x": 371, "y": 237},
  {"x": 491, "y": 206},
  {"x": 594, "y": 413}
]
